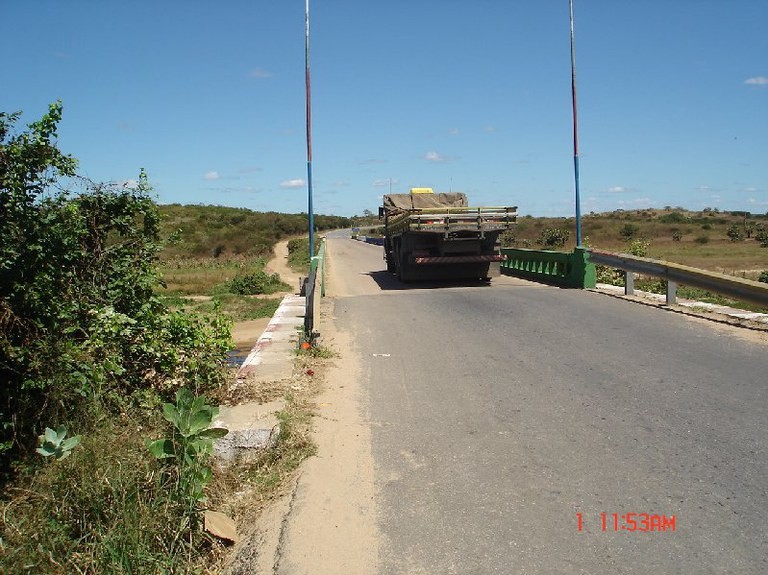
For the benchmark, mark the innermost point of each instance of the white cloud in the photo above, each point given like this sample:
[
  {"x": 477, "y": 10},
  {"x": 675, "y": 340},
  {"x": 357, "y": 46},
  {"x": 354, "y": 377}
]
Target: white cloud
[
  {"x": 489, "y": 129},
  {"x": 259, "y": 73},
  {"x": 433, "y": 156},
  {"x": 757, "y": 81},
  {"x": 210, "y": 176},
  {"x": 130, "y": 184},
  {"x": 297, "y": 183},
  {"x": 454, "y": 132},
  {"x": 617, "y": 190}
]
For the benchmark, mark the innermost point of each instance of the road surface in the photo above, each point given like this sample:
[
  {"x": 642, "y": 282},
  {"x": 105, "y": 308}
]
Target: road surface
[{"x": 520, "y": 428}]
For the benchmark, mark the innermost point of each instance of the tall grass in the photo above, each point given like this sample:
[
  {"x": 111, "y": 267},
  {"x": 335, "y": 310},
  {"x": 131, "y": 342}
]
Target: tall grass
[{"x": 102, "y": 510}]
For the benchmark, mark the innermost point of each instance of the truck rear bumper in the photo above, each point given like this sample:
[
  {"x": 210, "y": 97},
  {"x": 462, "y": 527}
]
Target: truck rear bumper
[{"x": 460, "y": 259}]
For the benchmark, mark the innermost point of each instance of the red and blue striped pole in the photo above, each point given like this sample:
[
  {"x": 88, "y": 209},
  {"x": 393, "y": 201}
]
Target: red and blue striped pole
[
  {"x": 309, "y": 135},
  {"x": 575, "y": 134}
]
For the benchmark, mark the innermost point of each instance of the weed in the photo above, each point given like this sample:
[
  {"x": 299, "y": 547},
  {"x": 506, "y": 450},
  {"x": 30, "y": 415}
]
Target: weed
[
  {"x": 55, "y": 444},
  {"x": 101, "y": 510},
  {"x": 186, "y": 452}
]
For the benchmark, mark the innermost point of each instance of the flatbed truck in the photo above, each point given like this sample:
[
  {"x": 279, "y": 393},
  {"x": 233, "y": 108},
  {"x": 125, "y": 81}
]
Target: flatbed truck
[{"x": 430, "y": 235}]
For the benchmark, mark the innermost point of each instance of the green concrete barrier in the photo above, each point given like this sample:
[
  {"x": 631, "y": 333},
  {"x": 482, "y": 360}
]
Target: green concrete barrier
[{"x": 558, "y": 268}]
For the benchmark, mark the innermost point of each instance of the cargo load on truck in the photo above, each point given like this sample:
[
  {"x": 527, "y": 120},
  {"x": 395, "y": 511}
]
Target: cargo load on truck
[{"x": 431, "y": 235}]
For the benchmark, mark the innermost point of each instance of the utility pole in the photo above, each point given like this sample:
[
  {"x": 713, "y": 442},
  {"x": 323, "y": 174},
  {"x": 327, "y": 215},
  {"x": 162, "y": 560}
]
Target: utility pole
[
  {"x": 309, "y": 134},
  {"x": 575, "y": 134}
]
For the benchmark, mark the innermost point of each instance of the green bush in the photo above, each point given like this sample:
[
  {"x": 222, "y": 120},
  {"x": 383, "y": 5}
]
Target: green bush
[
  {"x": 702, "y": 239},
  {"x": 763, "y": 277},
  {"x": 81, "y": 332},
  {"x": 735, "y": 233},
  {"x": 673, "y": 218},
  {"x": 258, "y": 282},
  {"x": 553, "y": 237},
  {"x": 761, "y": 235},
  {"x": 628, "y": 231}
]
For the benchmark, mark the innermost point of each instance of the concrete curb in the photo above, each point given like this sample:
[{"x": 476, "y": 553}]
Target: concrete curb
[
  {"x": 693, "y": 305},
  {"x": 271, "y": 357}
]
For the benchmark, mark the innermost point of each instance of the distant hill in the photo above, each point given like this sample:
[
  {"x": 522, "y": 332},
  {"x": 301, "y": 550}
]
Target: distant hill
[{"x": 214, "y": 231}]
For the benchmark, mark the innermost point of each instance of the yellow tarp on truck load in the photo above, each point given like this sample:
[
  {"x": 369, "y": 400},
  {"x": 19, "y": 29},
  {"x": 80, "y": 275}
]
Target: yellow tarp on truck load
[{"x": 398, "y": 202}]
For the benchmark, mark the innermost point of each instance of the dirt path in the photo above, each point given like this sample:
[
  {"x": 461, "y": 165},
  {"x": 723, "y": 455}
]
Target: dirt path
[
  {"x": 279, "y": 265},
  {"x": 245, "y": 333}
]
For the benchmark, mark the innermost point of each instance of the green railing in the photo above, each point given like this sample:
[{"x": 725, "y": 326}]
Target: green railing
[
  {"x": 317, "y": 263},
  {"x": 558, "y": 268}
]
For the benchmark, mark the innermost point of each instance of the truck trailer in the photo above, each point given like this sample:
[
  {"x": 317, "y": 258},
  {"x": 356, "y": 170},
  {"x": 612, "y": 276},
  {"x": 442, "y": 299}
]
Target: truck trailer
[{"x": 430, "y": 235}]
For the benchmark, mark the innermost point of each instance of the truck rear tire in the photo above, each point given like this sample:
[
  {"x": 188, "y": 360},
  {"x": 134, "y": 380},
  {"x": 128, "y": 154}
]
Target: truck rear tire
[{"x": 403, "y": 271}]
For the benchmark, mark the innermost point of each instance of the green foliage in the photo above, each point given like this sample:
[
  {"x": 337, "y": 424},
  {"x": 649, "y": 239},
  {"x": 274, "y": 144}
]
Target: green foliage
[
  {"x": 508, "y": 238},
  {"x": 761, "y": 235},
  {"x": 81, "y": 332},
  {"x": 735, "y": 233},
  {"x": 673, "y": 218},
  {"x": 224, "y": 232},
  {"x": 763, "y": 277},
  {"x": 54, "y": 443},
  {"x": 639, "y": 247},
  {"x": 628, "y": 231},
  {"x": 298, "y": 252},
  {"x": 677, "y": 236},
  {"x": 101, "y": 510},
  {"x": 258, "y": 282},
  {"x": 702, "y": 239},
  {"x": 186, "y": 452},
  {"x": 553, "y": 237}
]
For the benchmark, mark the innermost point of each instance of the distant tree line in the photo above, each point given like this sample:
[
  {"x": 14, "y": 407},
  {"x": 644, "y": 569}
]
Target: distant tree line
[{"x": 218, "y": 231}]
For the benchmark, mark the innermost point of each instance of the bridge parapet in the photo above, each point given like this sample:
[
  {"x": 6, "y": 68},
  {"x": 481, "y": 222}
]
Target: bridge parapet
[{"x": 559, "y": 268}]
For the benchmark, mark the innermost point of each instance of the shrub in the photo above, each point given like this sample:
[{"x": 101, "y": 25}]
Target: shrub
[
  {"x": 81, "y": 332},
  {"x": 553, "y": 237},
  {"x": 639, "y": 247},
  {"x": 761, "y": 235},
  {"x": 702, "y": 239},
  {"x": 258, "y": 282},
  {"x": 763, "y": 277},
  {"x": 735, "y": 233},
  {"x": 628, "y": 231},
  {"x": 673, "y": 218}
]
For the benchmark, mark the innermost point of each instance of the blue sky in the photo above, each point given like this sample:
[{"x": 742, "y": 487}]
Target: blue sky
[{"x": 469, "y": 96}]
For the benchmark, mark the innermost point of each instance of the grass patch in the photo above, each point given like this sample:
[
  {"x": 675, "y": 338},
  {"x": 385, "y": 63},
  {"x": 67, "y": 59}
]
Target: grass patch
[
  {"x": 235, "y": 307},
  {"x": 294, "y": 444},
  {"x": 101, "y": 510}
]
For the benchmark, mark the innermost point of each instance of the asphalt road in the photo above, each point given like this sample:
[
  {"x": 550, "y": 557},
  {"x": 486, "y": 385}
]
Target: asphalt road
[{"x": 506, "y": 419}]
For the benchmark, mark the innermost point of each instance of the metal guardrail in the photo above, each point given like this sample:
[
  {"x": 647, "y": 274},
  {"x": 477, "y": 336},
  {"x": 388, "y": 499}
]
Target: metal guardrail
[
  {"x": 316, "y": 270},
  {"x": 676, "y": 274},
  {"x": 558, "y": 268}
]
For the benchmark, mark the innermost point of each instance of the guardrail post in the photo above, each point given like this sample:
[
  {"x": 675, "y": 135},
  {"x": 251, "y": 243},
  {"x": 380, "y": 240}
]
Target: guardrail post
[
  {"x": 629, "y": 282},
  {"x": 322, "y": 269},
  {"x": 583, "y": 272},
  {"x": 671, "y": 292}
]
